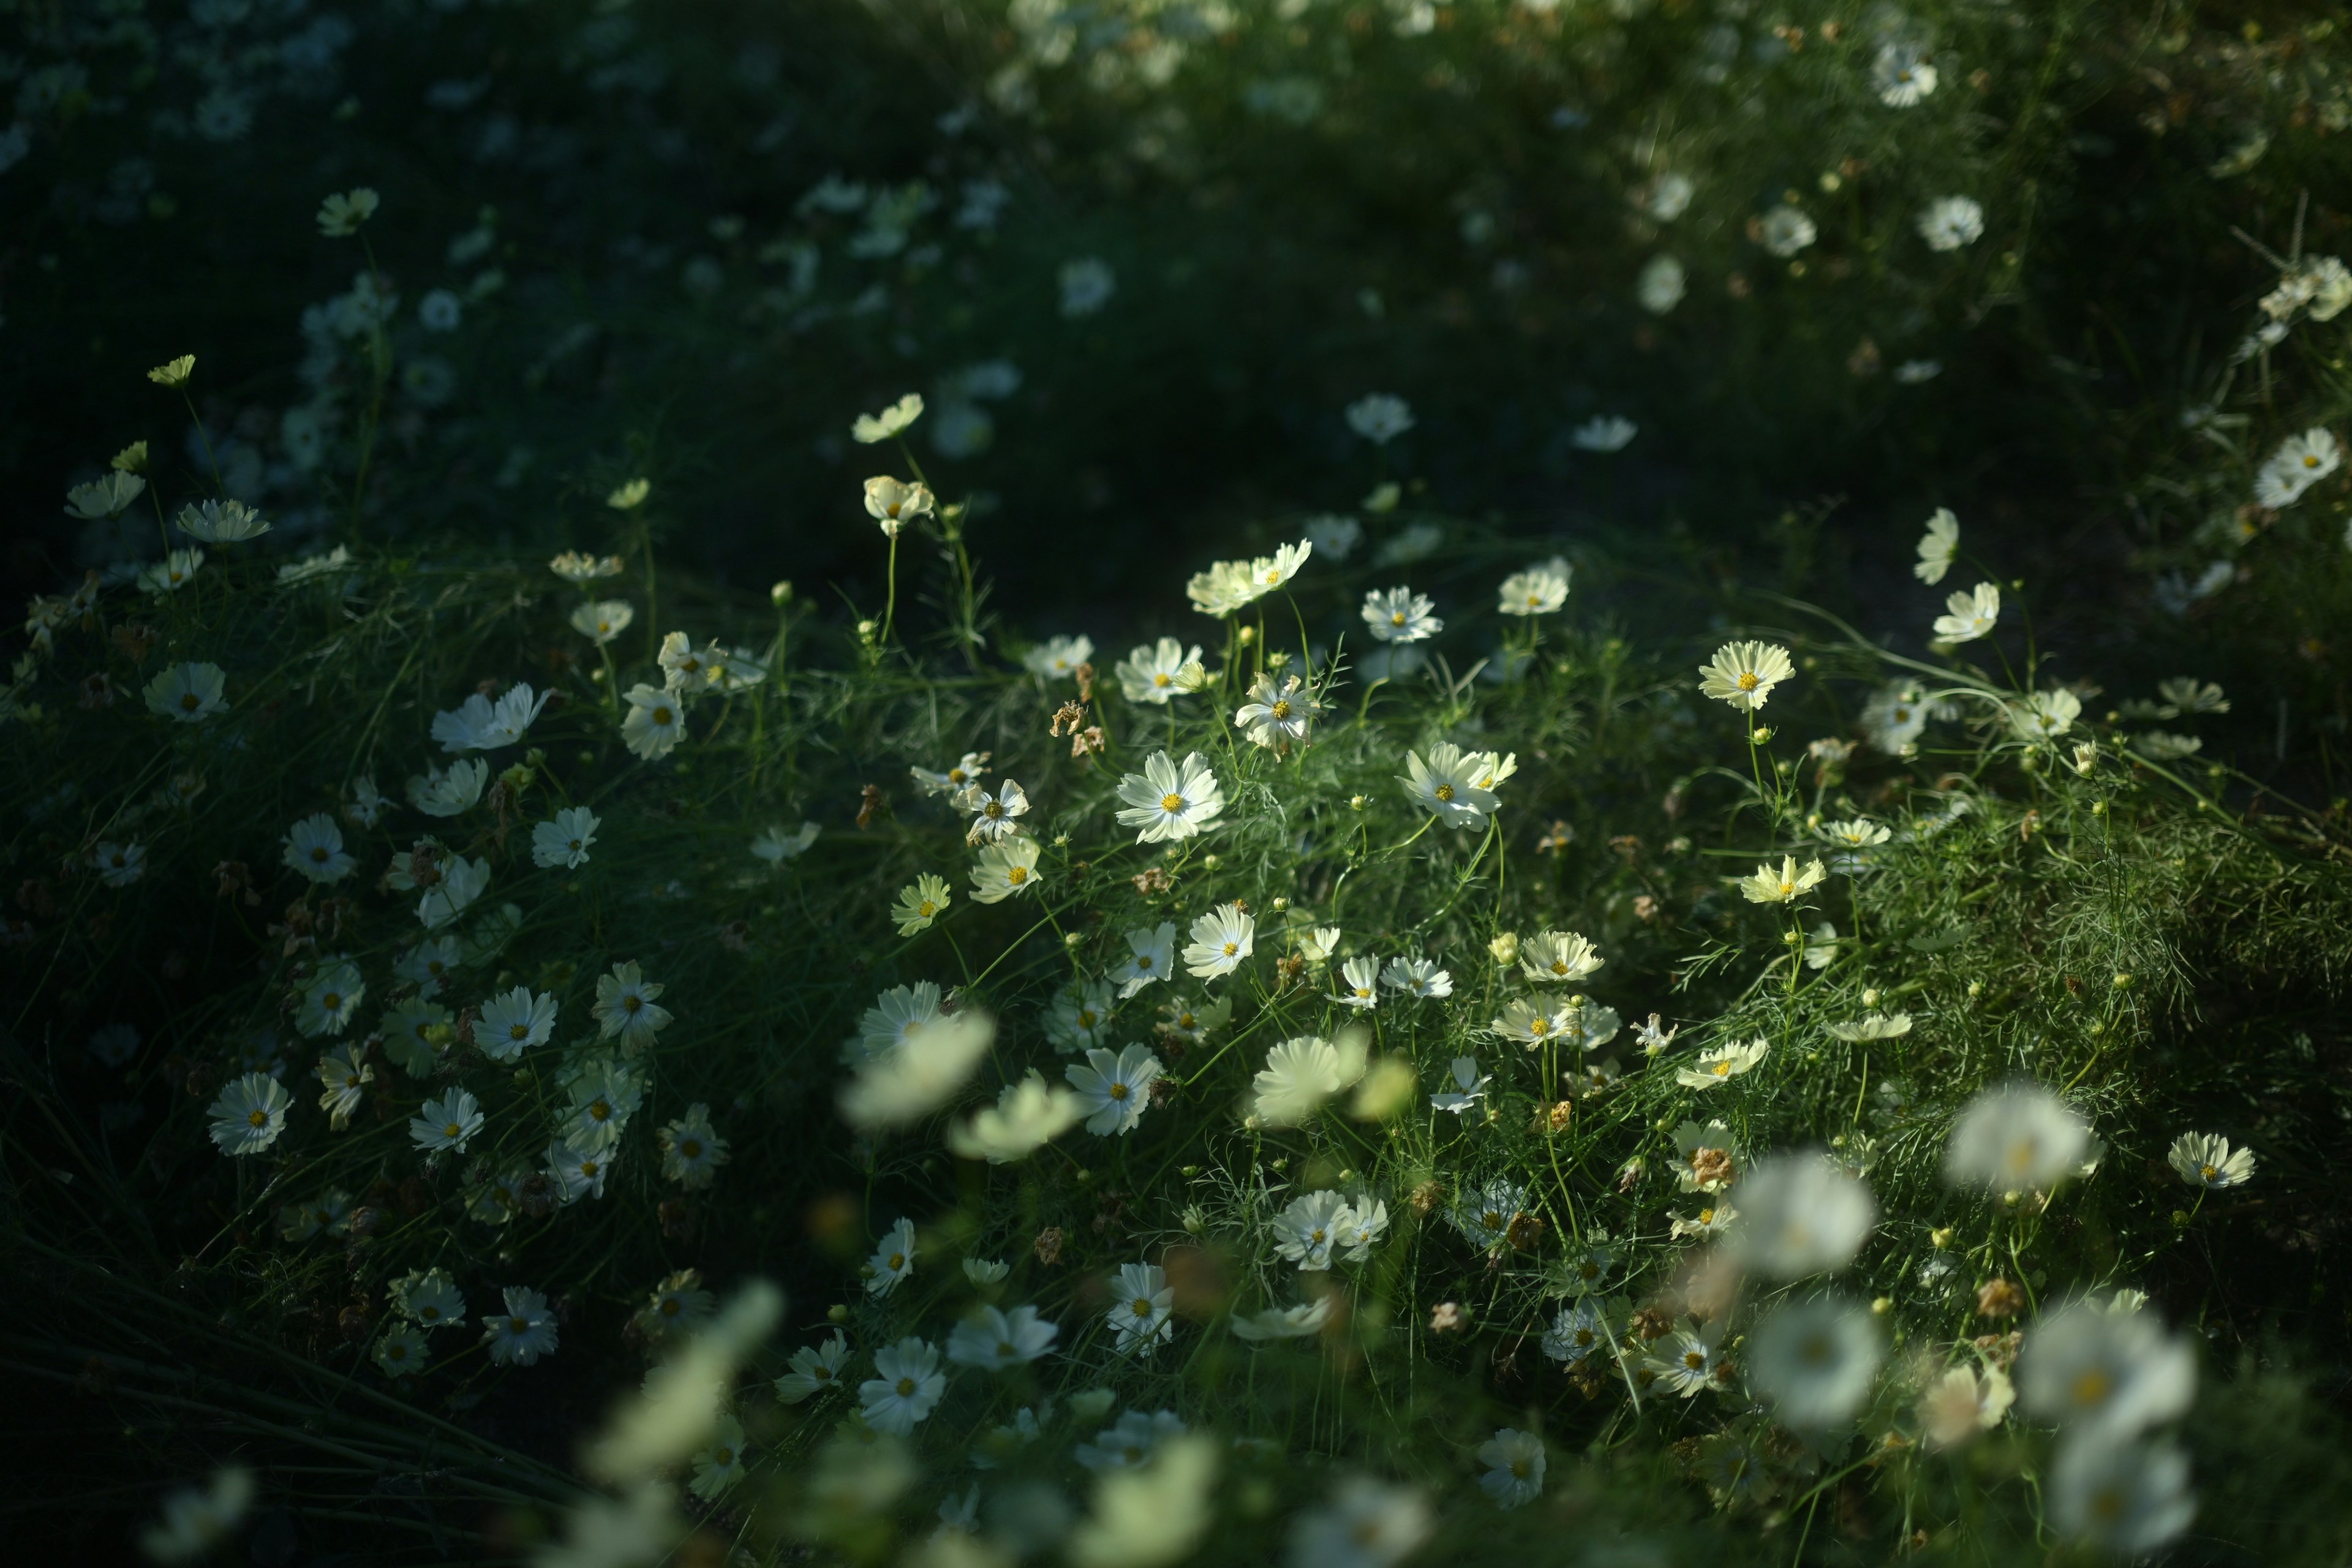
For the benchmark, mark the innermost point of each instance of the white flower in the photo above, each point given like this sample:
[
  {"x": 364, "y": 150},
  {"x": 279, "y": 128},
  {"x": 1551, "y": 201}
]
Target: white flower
[
  {"x": 2046, "y": 715},
  {"x": 436, "y": 793},
  {"x": 894, "y": 505},
  {"x": 578, "y": 1172},
  {"x": 719, "y": 1467},
  {"x": 893, "y": 1259},
  {"x": 1166, "y": 802},
  {"x": 329, "y": 999},
  {"x": 870, "y": 429},
  {"x": 920, "y": 903},
  {"x": 2202, "y": 1160},
  {"x": 1893, "y": 718},
  {"x": 110, "y": 494},
  {"x": 1222, "y": 939},
  {"x": 1786, "y": 230},
  {"x": 461, "y": 883},
  {"x": 341, "y": 212},
  {"x": 1142, "y": 1305},
  {"x": 523, "y": 1333},
  {"x": 1228, "y": 585},
  {"x": 197, "y": 1519},
  {"x": 1277, "y": 715},
  {"x": 1971, "y": 614},
  {"x": 1484, "y": 1215},
  {"x": 1005, "y": 867},
  {"x": 480, "y": 725},
  {"x": 625, "y": 1009},
  {"x": 576, "y": 568},
  {"x": 1334, "y": 535},
  {"x": 1357, "y": 1225},
  {"x": 1784, "y": 886},
  {"x": 816, "y": 1368},
  {"x": 249, "y": 1114},
  {"x": 1150, "y": 673},
  {"x": 1529, "y": 1023},
  {"x": 119, "y": 865},
  {"x": 602, "y": 620},
  {"x": 921, "y": 1076},
  {"x": 1951, "y": 221},
  {"x": 1026, "y": 1117},
  {"x": 1087, "y": 286},
  {"x": 691, "y": 1149},
  {"x": 1914, "y": 372},
  {"x": 314, "y": 846},
  {"x": 1400, "y": 616},
  {"x": 1080, "y": 1017},
  {"x": 2130, "y": 1499},
  {"x": 1815, "y": 1361},
  {"x": 1556, "y": 957},
  {"x": 992, "y": 813},
  {"x": 1660, "y": 286},
  {"x": 655, "y": 723},
  {"x": 1515, "y": 1467},
  {"x": 907, "y": 1384},
  {"x": 1129, "y": 1442},
  {"x": 174, "y": 571},
  {"x": 342, "y": 1081},
  {"x": 564, "y": 841},
  {"x": 1744, "y": 674},
  {"x": 993, "y": 1340},
  {"x": 400, "y": 1349},
  {"x": 1800, "y": 1214},
  {"x": 1688, "y": 1362},
  {"x": 1367, "y": 1524},
  {"x": 1302, "y": 1073},
  {"x": 1057, "y": 658},
  {"x": 1538, "y": 591},
  {"x": 2300, "y": 462},
  {"x": 775, "y": 845},
  {"x": 2111, "y": 1374},
  {"x": 1962, "y": 1402},
  {"x": 1283, "y": 1323},
  {"x": 1469, "y": 1087},
  {"x": 1417, "y": 977},
  {"x": 1378, "y": 418},
  {"x": 1115, "y": 1091},
  {"x": 1359, "y": 985},
  {"x": 685, "y": 669},
  {"x": 187, "y": 693},
  {"x": 1900, "y": 76},
  {"x": 1305, "y": 1231},
  {"x": 1719, "y": 1066},
  {"x": 1604, "y": 433},
  {"x": 1939, "y": 547},
  {"x": 1152, "y": 957},
  {"x": 1453, "y": 784},
  {"x": 2019, "y": 1136},
  {"x": 513, "y": 1021},
  {"x": 1317, "y": 944},
  {"x": 447, "y": 1123}
]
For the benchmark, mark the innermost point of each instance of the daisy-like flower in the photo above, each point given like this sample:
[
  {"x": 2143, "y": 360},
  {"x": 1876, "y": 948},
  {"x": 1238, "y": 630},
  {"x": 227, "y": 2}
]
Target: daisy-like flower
[
  {"x": 1359, "y": 981},
  {"x": 187, "y": 693},
  {"x": 1419, "y": 978},
  {"x": 174, "y": 571},
  {"x": 1080, "y": 1015},
  {"x": 1026, "y": 1117},
  {"x": 1688, "y": 1362},
  {"x": 993, "y": 814},
  {"x": 993, "y": 1340},
  {"x": 1538, "y": 591},
  {"x": 1963, "y": 1403},
  {"x": 777, "y": 844},
  {"x": 1142, "y": 1306},
  {"x": 893, "y": 1259},
  {"x": 1365, "y": 1524},
  {"x": 1336, "y": 534},
  {"x": 2202, "y": 1160},
  {"x": 314, "y": 846},
  {"x": 921, "y": 902},
  {"x": 1469, "y": 1087},
  {"x": 342, "y": 1081},
  {"x": 1484, "y": 1215},
  {"x": 1357, "y": 1226},
  {"x": 446, "y": 793},
  {"x": 1661, "y": 284},
  {"x": 429, "y": 1298},
  {"x": 1575, "y": 1335},
  {"x": 1150, "y": 958},
  {"x": 1770, "y": 886},
  {"x": 522, "y": 1334},
  {"x": 2045, "y": 715},
  {"x": 626, "y": 1010},
  {"x": 1003, "y": 868},
  {"x": 1801, "y": 1215},
  {"x": 717, "y": 1468},
  {"x": 1166, "y": 801},
  {"x": 1221, "y": 940},
  {"x": 1939, "y": 547},
  {"x": 1150, "y": 674},
  {"x": 1451, "y": 785},
  {"x": 1114, "y": 1091},
  {"x": 1305, "y": 1231},
  {"x": 869, "y": 429},
  {"x": 1528, "y": 1023},
  {"x": 119, "y": 865},
  {"x": 1744, "y": 674},
  {"x": 415, "y": 1033},
  {"x": 333, "y": 994},
  {"x": 514, "y": 1021},
  {"x": 1193, "y": 1022},
  {"x": 1317, "y": 944},
  {"x": 894, "y": 504},
  {"x": 954, "y": 780},
  {"x": 678, "y": 1304},
  {"x": 1276, "y": 714},
  {"x": 1815, "y": 1361},
  {"x": 816, "y": 1368},
  {"x": 1786, "y": 230},
  {"x": 1130, "y": 1442},
  {"x": 446, "y": 1123},
  {"x": 1379, "y": 418},
  {"x": 576, "y": 568},
  {"x": 1057, "y": 658},
  {"x": 462, "y": 881},
  {"x": 1873, "y": 1026},
  {"x": 249, "y": 1114},
  {"x": 1901, "y": 75},
  {"x": 1602, "y": 433},
  {"x": 2108, "y": 1374},
  {"x": 685, "y": 669},
  {"x": 1400, "y": 615},
  {"x": 1709, "y": 1223},
  {"x": 602, "y": 620},
  {"x": 655, "y": 723},
  {"x": 2017, "y": 1137},
  {"x": 1302, "y": 1073},
  {"x": 196, "y": 1519},
  {"x": 1950, "y": 222},
  {"x": 563, "y": 840},
  {"x": 691, "y": 1149},
  {"x": 1719, "y": 1066},
  {"x": 2129, "y": 1499},
  {"x": 2300, "y": 462},
  {"x": 578, "y": 1172},
  {"x": 482, "y": 725},
  {"x": 1283, "y": 1323},
  {"x": 986, "y": 1271},
  {"x": 1559, "y": 957},
  {"x": 108, "y": 496},
  {"x": 400, "y": 1351},
  {"x": 1971, "y": 614},
  {"x": 1859, "y": 834},
  {"x": 1515, "y": 1467}
]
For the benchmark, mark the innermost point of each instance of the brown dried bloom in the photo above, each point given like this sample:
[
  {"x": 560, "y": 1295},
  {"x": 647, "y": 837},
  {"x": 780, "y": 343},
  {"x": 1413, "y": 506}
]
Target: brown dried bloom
[
  {"x": 1087, "y": 743},
  {"x": 1711, "y": 1168},
  {"x": 1558, "y": 1117},
  {"x": 1068, "y": 718},
  {"x": 1445, "y": 1318},
  {"x": 1525, "y": 1232},
  {"x": 1049, "y": 1246},
  {"x": 1997, "y": 1297},
  {"x": 1085, "y": 679},
  {"x": 1151, "y": 882},
  {"x": 1426, "y": 1197},
  {"x": 1652, "y": 1322},
  {"x": 869, "y": 801}
]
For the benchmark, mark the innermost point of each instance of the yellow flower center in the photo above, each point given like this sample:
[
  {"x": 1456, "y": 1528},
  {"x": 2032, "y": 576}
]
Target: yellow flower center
[
  {"x": 1748, "y": 680},
  {"x": 2311, "y": 459},
  {"x": 319, "y": 854},
  {"x": 518, "y": 1325},
  {"x": 691, "y": 1148},
  {"x": 518, "y": 1032},
  {"x": 898, "y": 1261},
  {"x": 927, "y": 909},
  {"x": 1694, "y": 1359},
  {"x": 1158, "y": 679},
  {"x": 1281, "y": 708},
  {"x": 1720, "y": 1069},
  {"x": 1396, "y": 618},
  {"x": 1140, "y": 1307},
  {"x": 669, "y": 1307},
  {"x": 1143, "y": 961},
  {"x": 2208, "y": 1172},
  {"x": 189, "y": 702},
  {"x": 2091, "y": 1387},
  {"x": 1233, "y": 949},
  {"x": 905, "y": 1387},
  {"x": 662, "y": 716},
  {"x": 255, "y": 1118},
  {"x": 1443, "y": 791},
  {"x": 1017, "y": 874},
  {"x": 631, "y": 1004},
  {"x": 331, "y": 1000},
  {"x": 451, "y": 1131},
  {"x": 1119, "y": 1091}
]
